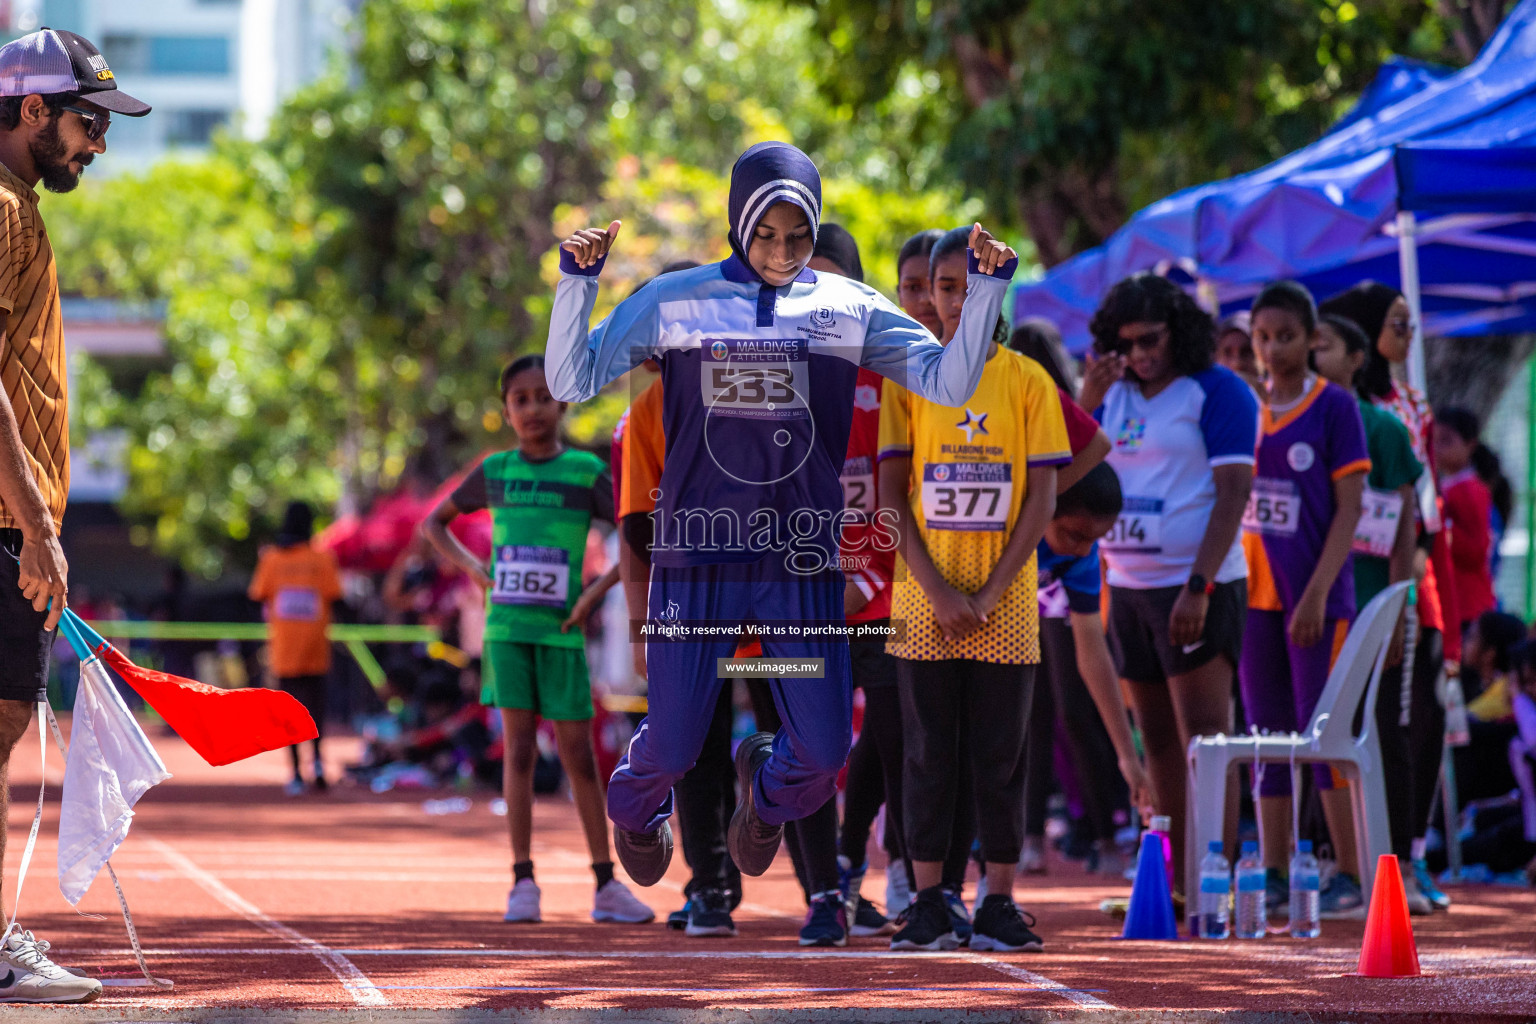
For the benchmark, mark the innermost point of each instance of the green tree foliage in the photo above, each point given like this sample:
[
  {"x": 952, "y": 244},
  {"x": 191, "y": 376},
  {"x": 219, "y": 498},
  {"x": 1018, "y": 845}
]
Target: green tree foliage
[
  {"x": 339, "y": 298},
  {"x": 1070, "y": 114}
]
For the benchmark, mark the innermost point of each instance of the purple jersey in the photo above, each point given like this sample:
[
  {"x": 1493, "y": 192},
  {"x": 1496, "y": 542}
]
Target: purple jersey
[{"x": 1302, "y": 451}]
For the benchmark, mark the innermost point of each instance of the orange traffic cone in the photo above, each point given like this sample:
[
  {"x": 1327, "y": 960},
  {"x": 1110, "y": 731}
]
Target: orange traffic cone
[{"x": 1388, "y": 950}]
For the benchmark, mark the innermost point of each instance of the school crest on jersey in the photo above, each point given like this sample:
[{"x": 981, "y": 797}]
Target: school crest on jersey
[
  {"x": 1133, "y": 430},
  {"x": 866, "y": 398}
]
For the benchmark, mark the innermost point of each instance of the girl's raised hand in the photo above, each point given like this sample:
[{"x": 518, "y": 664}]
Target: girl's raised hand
[
  {"x": 591, "y": 244},
  {"x": 990, "y": 253}
]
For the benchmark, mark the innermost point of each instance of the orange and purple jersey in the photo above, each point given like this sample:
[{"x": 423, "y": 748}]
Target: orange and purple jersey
[{"x": 1302, "y": 451}]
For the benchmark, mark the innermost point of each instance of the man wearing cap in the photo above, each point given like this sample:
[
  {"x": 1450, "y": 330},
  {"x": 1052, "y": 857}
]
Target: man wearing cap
[{"x": 57, "y": 98}]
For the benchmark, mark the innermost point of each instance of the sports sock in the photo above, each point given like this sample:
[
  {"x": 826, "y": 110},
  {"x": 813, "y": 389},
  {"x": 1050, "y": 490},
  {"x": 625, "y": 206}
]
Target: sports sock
[
  {"x": 522, "y": 869},
  {"x": 604, "y": 872},
  {"x": 1419, "y": 847}
]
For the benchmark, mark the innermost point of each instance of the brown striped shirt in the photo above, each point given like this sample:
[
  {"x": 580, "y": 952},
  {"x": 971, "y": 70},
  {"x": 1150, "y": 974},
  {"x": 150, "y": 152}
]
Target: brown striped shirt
[{"x": 32, "y": 365}]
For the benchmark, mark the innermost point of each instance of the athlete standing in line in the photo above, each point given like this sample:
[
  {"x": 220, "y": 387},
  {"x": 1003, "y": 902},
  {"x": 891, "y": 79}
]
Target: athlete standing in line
[
  {"x": 1183, "y": 432},
  {"x": 759, "y": 360},
  {"x": 1298, "y": 529}
]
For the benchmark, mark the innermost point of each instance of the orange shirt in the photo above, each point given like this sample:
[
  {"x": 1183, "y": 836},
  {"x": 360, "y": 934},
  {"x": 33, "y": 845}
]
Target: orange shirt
[
  {"x": 32, "y": 365},
  {"x": 296, "y": 586},
  {"x": 645, "y": 450}
]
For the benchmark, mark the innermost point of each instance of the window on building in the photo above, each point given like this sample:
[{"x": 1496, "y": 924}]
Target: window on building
[
  {"x": 167, "y": 55},
  {"x": 193, "y": 127}
]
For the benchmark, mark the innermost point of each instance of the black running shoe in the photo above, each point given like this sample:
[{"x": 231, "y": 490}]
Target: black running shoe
[
  {"x": 999, "y": 926},
  {"x": 960, "y": 917},
  {"x": 645, "y": 855},
  {"x": 678, "y": 919},
  {"x": 752, "y": 842},
  {"x": 868, "y": 921},
  {"x": 926, "y": 924},
  {"x": 709, "y": 915}
]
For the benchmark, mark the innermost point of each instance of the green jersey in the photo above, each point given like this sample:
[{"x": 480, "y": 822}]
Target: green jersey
[
  {"x": 540, "y": 515},
  {"x": 1392, "y": 465}
]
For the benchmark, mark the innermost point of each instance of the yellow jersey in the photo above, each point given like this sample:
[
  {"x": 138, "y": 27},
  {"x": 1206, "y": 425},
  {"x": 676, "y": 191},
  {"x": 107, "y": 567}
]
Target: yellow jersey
[{"x": 966, "y": 487}]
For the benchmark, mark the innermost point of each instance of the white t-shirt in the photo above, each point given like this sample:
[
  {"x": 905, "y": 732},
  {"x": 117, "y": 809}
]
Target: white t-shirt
[{"x": 1164, "y": 449}]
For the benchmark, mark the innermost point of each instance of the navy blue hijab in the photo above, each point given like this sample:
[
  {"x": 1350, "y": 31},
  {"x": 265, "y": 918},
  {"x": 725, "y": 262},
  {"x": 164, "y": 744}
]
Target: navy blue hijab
[{"x": 768, "y": 173}]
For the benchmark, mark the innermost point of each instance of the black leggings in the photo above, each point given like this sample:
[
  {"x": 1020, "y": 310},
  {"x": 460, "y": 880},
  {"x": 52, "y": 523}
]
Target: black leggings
[
  {"x": 874, "y": 764},
  {"x": 955, "y": 712},
  {"x": 1396, "y": 771},
  {"x": 1426, "y": 727},
  {"x": 706, "y": 798},
  {"x": 812, "y": 840},
  {"x": 310, "y": 692},
  {"x": 1065, "y": 697}
]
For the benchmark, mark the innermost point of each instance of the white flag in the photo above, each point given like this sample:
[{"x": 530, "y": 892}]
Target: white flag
[{"x": 110, "y": 766}]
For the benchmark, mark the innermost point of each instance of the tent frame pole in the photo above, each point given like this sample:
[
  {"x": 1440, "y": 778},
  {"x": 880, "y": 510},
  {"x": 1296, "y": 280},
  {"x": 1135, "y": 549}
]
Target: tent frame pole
[{"x": 1408, "y": 267}]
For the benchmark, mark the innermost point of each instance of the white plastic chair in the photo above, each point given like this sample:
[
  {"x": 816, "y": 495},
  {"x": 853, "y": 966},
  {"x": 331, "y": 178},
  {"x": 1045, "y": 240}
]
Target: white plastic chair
[{"x": 1328, "y": 739}]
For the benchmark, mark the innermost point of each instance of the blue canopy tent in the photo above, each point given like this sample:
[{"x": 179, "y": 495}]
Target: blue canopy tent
[{"x": 1430, "y": 184}]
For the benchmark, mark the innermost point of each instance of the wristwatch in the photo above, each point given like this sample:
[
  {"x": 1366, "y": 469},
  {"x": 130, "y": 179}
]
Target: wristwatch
[{"x": 1199, "y": 585}]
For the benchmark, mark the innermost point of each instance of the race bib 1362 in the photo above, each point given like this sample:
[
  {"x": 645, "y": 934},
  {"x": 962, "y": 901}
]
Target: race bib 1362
[{"x": 523, "y": 574}]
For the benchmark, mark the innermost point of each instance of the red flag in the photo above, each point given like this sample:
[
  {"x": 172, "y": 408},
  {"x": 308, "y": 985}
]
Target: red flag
[{"x": 223, "y": 726}]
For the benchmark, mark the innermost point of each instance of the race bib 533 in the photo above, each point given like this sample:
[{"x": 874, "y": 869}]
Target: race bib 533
[{"x": 759, "y": 378}]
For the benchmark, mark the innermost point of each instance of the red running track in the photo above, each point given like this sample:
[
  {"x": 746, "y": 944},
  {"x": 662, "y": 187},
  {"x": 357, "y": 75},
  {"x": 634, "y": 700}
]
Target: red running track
[{"x": 258, "y": 906}]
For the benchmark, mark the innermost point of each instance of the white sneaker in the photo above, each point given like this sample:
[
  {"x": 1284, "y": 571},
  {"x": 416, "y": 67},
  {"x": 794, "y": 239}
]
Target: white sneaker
[
  {"x": 523, "y": 902},
  {"x": 30, "y": 977},
  {"x": 898, "y": 892},
  {"x": 615, "y": 903}
]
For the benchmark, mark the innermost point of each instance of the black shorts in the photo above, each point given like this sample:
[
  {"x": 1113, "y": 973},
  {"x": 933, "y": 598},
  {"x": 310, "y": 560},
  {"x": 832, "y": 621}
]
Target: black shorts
[
  {"x": 1138, "y": 631},
  {"x": 24, "y": 643}
]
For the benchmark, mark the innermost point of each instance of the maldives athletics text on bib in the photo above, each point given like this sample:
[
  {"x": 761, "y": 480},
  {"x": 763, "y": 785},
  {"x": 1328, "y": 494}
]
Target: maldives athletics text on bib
[{"x": 540, "y": 515}]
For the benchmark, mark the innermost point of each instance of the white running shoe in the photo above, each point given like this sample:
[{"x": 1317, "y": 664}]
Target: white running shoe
[
  {"x": 615, "y": 903},
  {"x": 523, "y": 902},
  {"x": 30, "y": 977},
  {"x": 898, "y": 891}
]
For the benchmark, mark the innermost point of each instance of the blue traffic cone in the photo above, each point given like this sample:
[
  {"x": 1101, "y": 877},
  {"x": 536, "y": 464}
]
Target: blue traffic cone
[{"x": 1150, "y": 915}]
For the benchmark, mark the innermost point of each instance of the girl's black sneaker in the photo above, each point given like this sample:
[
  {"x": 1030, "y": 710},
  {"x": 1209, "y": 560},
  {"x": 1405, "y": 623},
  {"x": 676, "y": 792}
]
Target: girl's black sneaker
[
  {"x": 1000, "y": 926},
  {"x": 926, "y": 924}
]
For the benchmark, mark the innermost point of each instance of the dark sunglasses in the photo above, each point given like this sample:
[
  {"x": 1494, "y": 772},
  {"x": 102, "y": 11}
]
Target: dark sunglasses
[
  {"x": 96, "y": 122},
  {"x": 1149, "y": 340}
]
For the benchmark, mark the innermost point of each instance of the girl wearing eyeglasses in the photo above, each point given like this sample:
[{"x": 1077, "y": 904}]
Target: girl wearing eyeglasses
[{"x": 1183, "y": 431}]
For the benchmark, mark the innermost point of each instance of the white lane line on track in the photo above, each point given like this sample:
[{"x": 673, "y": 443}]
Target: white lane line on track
[
  {"x": 362, "y": 991},
  {"x": 958, "y": 956},
  {"x": 734, "y": 990},
  {"x": 1087, "y": 1000}
]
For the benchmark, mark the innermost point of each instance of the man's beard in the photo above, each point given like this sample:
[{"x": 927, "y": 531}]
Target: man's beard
[{"x": 52, "y": 158}]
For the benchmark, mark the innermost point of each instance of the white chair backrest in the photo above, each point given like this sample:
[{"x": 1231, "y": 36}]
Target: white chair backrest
[{"x": 1358, "y": 670}]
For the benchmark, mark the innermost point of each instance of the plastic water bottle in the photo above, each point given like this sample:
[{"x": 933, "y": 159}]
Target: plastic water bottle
[
  {"x": 1161, "y": 826},
  {"x": 1252, "y": 921},
  {"x": 1305, "y": 886},
  {"x": 1215, "y": 894}
]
